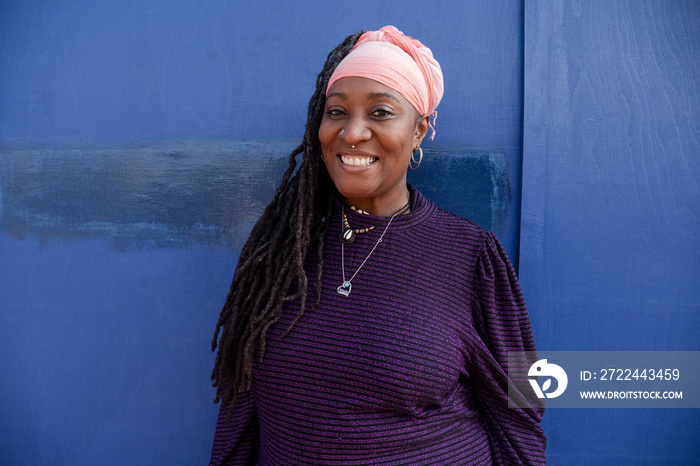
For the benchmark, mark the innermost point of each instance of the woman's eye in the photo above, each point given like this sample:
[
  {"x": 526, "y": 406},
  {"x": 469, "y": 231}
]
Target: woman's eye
[
  {"x": 334, "y": 112},
  {"x": 382, "y": 113}
]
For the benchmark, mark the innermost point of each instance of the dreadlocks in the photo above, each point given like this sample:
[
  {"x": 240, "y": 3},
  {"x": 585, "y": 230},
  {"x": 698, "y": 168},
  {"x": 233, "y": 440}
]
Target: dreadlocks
[{"x": 292, "y": 223}]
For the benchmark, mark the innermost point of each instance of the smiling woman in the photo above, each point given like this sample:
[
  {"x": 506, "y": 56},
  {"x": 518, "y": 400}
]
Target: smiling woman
[
  {"x": 368, "y": 134},
  {"x": 364, "y": 324}
]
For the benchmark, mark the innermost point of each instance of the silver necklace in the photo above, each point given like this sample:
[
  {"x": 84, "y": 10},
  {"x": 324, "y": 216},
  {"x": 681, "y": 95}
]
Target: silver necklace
[{"x": 346, "y": 287}]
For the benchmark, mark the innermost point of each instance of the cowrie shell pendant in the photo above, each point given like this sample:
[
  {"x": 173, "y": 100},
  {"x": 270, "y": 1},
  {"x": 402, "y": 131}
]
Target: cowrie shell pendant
[{"x": 348, "y": 236}]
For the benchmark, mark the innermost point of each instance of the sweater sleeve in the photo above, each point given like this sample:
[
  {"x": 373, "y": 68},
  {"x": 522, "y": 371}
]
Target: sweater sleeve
[
  {"x": 502, "y": 325},
  {"x": 236, "y": 440}
]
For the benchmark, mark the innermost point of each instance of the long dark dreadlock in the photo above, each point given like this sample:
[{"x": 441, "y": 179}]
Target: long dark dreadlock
[{"x": 271, "y": 267}]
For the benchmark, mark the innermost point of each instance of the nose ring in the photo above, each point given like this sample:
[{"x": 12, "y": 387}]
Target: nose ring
[{"x": 342, "y": 131}]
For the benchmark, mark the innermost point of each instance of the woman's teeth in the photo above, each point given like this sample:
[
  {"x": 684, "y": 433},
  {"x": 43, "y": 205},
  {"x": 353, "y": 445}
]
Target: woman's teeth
[{"x": 358, "y": 161}]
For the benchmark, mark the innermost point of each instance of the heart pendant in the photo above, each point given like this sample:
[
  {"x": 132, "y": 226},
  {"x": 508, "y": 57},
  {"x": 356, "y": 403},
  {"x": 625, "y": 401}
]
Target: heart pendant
[{"x": 345, "y": 288}]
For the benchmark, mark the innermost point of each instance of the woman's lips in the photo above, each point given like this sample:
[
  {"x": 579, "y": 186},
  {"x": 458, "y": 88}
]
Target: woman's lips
[{"x": 357, "y": 161}]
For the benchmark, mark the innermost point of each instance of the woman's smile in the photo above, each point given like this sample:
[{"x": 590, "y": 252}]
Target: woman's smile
[{"x": 357, "y": 160}]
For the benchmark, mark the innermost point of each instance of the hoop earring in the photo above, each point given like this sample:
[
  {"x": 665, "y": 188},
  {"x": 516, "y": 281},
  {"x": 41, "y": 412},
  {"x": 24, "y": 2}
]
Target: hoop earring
[{"x": 413, "y": 159}]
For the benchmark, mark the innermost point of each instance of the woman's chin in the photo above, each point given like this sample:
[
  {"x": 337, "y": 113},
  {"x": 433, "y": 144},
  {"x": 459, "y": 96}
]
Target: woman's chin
[{"x": 355, "y": 190}]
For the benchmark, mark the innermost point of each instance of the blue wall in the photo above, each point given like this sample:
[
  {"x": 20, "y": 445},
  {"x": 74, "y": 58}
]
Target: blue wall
[
  {"x": 140, "y": 139},
  {"x": 609, "y": 256},
  {"x": 94, "y": 74}
]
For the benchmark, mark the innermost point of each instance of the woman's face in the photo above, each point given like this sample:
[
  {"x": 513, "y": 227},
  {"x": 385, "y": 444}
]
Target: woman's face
[{"x": 384, "y": 130}]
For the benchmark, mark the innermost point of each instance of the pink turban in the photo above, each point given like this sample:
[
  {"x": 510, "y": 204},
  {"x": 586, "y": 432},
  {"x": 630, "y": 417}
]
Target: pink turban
[{"x": 399, "y": 62}]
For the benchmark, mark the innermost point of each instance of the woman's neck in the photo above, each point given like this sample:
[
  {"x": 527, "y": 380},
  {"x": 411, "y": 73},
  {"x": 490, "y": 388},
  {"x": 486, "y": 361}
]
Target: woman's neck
[{"x": 382, "y": 207}]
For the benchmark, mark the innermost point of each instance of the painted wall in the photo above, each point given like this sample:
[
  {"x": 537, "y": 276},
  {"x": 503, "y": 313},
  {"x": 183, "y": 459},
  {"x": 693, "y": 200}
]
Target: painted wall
[
  {"x": 140, "y": 139},
  {"x": 138, "y": 142},
  {"x": 91, "y": 74},
  {"x": 609, "y": 256}
]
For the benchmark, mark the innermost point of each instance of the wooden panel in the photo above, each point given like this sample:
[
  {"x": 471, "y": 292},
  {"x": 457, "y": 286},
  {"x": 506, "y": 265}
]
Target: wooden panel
[{"x": 611, "y": 203}]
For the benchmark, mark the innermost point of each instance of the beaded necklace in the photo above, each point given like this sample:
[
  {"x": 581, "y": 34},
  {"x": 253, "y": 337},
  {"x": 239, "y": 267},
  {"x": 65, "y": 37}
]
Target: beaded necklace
[
  {"x": 348, "y": 235},
  {"x": 346, "y": 287}
]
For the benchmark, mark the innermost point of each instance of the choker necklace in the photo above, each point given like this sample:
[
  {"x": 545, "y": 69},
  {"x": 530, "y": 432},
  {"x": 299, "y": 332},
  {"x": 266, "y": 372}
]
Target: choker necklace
[
  {"x": 348, "y": 235},
  {"x": 346, "y": 286}
]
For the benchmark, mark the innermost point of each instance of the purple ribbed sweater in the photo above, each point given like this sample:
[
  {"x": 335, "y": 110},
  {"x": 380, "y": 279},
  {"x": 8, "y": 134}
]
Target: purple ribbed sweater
[{"x": 409, "y": 369}]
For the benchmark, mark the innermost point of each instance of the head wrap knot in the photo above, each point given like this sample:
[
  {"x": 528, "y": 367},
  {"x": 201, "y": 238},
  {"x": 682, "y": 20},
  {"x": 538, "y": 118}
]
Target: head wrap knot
[{"x": 399, "y": 62}]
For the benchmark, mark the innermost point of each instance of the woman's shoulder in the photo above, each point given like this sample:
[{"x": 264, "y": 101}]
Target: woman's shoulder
[
  {"x": 447, "y": 224},
  {"x": 451, "y": 220}
]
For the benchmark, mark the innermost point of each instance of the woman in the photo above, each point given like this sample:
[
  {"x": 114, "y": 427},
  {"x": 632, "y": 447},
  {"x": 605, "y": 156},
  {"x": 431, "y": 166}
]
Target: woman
[{"x": 364, "y": 324}]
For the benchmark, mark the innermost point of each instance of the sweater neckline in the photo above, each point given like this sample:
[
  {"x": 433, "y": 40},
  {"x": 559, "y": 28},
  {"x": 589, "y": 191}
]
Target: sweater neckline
[{"x": 421, "y": 209}]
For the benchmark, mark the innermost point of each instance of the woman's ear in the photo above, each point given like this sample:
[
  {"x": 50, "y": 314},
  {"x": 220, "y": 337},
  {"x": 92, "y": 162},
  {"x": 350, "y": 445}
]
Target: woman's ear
[{"x": 422, "y": 125}]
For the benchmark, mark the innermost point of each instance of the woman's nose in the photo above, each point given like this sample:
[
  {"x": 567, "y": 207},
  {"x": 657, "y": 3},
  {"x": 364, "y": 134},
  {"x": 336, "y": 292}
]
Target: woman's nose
[{"x": 355, "y": 130}]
